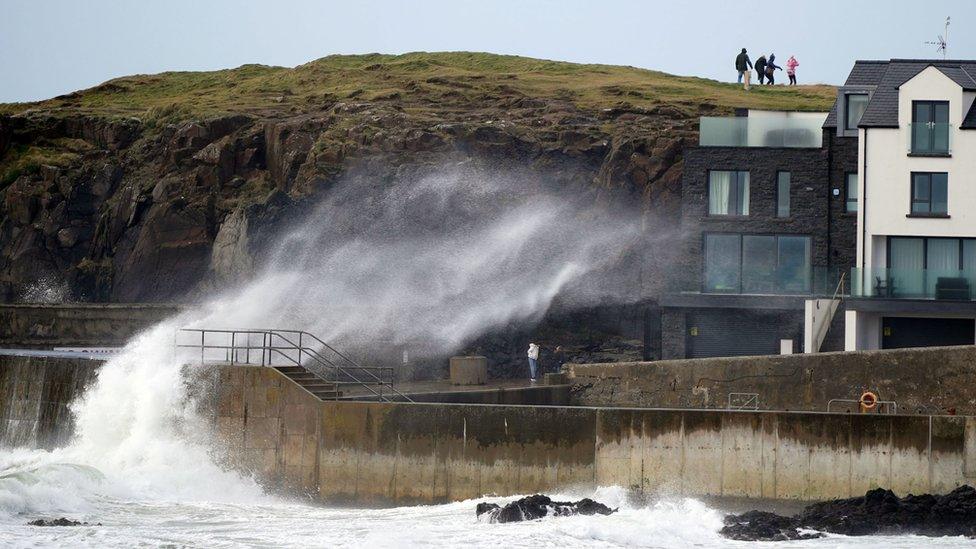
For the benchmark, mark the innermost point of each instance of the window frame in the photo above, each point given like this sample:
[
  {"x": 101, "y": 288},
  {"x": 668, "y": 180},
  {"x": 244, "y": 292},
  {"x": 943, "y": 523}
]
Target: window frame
[
  {"x": 734, "y": 191},
  {"x": 741, "y": 238},
  {"x": 912, "y": 200},
  {"x": 930, "y": 146},
  {"x": 847, "y": 193},
  {"x": 780, "y": 195},
  {"x": 925, "y": 248},
  {"x": 847, "y": 109}
]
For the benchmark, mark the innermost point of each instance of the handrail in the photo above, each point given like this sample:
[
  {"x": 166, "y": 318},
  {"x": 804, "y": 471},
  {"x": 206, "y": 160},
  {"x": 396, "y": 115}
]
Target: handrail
[
  {"x": 269, "y": 349},
  {"x": 834, "y": 304}
]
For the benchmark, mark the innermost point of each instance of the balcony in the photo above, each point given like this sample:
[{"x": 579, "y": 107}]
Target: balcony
[
  {"x": 815, "y": 281},
  {"x": 762, "y": 131},
  {"x": 929, "y": 139},
  {"x": 933, "y": 284}
]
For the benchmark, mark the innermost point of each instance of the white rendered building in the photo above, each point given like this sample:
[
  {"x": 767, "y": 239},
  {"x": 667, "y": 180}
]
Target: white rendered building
[{"x": 914, "y": 194}]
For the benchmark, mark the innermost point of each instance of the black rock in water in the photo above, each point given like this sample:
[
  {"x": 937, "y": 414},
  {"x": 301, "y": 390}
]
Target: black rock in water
[
  {"x": 877, "y": 512},
  {"x": 59, "y": 522},
  {"x": 538, "y": 506}
]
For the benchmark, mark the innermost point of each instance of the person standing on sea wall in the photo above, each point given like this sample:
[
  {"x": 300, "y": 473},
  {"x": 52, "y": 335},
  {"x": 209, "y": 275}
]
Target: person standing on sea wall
[
  {"x": 533, "y": 355},
  {"x": 791, "y": 65},
  {"x": 744, "y": 66},
  {"x": 761, "y": 68}
]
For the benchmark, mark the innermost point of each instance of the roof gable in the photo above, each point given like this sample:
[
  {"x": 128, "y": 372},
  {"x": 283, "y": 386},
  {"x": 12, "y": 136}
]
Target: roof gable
[{"x": 888, "y": 76}]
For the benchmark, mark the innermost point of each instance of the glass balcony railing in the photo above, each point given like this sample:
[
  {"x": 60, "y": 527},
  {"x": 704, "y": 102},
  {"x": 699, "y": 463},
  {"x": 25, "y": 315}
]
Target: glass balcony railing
[
  {"x": 818, "y": 281},
  {"x": 761, "y": 131},
  {"x": 929, "y": 138},
  {"x": 941, "y": 284}
]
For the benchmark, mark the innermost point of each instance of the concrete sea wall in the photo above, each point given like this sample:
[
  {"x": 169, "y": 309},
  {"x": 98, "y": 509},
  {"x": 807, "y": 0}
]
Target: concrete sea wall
[
  {"x": 35, "y": 393},
  {"x": 935, "y": 380},
  {"x": 409, "y": 453},
  {"x": 77, "y": 324}
]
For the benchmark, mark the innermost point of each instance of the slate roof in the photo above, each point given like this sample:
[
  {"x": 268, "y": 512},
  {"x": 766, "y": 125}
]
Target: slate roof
[{"x": 887, "y": 76}]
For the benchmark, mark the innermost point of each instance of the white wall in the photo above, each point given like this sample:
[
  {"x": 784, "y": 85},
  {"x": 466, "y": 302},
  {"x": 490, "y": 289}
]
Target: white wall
[{"x": 888, "y": 198}]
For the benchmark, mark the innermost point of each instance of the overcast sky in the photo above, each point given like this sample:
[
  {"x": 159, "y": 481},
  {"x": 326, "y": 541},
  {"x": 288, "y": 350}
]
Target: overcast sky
[{"x": 50, "y": 47}]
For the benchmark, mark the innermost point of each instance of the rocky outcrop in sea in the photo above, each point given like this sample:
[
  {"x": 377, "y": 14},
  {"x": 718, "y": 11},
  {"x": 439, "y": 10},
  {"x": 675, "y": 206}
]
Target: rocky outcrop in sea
[
  {"x": 539, "y": 506},
  {"x": 877, "y": 512}
]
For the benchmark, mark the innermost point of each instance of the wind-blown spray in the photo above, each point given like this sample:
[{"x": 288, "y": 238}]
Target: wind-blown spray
[{"x": 440, "y": 258}]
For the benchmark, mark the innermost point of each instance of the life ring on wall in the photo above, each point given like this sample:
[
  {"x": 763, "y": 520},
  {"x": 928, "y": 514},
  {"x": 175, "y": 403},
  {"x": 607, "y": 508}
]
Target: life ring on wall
[{"x": 868, "y": 400}]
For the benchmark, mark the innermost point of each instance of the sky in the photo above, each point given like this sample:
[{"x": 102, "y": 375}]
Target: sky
[{"x": 50, "y": 47}]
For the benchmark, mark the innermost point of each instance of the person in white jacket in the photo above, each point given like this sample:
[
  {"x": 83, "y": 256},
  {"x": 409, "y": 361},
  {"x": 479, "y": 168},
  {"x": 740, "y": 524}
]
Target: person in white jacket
[{"x": 533, "y": 360}]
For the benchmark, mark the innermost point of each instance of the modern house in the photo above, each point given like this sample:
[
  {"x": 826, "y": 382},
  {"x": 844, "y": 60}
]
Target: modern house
[
  {"x": 914, "y": 281},
  {"x": 767, "y": 228}
]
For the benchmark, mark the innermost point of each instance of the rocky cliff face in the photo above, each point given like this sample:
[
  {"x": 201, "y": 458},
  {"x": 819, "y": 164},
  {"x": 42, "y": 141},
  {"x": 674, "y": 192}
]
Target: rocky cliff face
[
  {"x": 109, "y": 197},
  {"x": 139, "y": 214}
]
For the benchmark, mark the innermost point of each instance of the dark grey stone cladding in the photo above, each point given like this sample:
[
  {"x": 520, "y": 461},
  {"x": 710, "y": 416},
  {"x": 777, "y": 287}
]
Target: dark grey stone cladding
[
  {"x": 814, "y": 211},
  {"x": 842, "y": 155},
  {"x": 729, "y": 332},
  {"x": 808, "y": 200}
]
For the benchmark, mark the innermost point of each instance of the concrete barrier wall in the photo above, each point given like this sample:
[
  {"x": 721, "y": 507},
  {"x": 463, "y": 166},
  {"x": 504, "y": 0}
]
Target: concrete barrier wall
[
  {"x": 77, "y": 324},
  {"x": 935, "y": 380},
  {"x": 409, "y": 453},
  {"x": 34, "y": 396},
  {"x": 781, "y": 455}
]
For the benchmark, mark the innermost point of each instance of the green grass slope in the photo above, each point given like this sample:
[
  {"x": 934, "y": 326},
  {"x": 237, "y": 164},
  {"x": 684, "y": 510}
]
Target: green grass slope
[{"x": 416, "y": 81}]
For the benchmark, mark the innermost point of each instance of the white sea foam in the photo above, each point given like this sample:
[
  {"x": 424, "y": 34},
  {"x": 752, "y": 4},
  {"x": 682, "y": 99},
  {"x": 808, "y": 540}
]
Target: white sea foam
[{"x": 441, "y": 259}]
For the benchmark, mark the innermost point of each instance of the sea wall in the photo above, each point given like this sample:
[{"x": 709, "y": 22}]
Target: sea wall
[
  {"x": 35, "y": 393},
  {"x": 424, "y": 453},
  {"x": 934, "y": 380},
  {"x": 77, "y": 324}
]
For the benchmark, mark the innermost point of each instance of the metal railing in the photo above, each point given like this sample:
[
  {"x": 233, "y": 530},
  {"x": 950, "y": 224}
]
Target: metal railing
[
  {"x": 890, "y": 406},
  {"x": 282, "y": 348},
  {"x": 833, "y": 305},
  {"x": 743, "y": 401}
]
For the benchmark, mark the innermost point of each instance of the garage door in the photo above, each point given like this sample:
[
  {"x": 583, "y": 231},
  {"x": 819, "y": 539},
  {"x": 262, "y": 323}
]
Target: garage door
[
  {"x": 738, "y": 332},
  {"x": 900, "y": 332}
]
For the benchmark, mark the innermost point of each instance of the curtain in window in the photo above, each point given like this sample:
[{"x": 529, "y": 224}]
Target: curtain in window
[
  {"x": 722, "y": 259},
  {"x": 759, "y": 264},
  {"x": 743, "y": 193},
  {"x": 794, "y": 264},
  {"x": 969, "y": 256},
  {"x": 907, "y": 267},
  {"x": 942, "y": 261},
  {"x": 719, "y": 190}
]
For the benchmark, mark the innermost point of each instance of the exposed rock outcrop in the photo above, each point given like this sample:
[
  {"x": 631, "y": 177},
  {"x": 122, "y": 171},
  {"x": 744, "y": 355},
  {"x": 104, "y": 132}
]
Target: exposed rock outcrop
[
  {"x": 877, "y": 512},
  {"x": 59, "y": 522},
  {"x": 539, "y": 506}
]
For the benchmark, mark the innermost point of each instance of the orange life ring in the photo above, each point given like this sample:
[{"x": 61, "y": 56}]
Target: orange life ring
[{"x": 868, "y": 400}]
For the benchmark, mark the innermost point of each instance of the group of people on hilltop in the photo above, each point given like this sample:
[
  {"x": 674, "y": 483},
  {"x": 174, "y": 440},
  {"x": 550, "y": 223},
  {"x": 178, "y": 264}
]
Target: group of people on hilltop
[{"x": 765, "y": 68}]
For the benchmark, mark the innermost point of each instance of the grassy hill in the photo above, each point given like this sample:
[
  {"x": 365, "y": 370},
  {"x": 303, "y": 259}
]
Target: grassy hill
[{"x": 414, "y": 80}]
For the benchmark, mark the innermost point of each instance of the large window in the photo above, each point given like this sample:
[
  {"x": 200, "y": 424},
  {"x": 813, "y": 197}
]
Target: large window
[
  {"x": 854, "y": 108},
  {"x": 916, "y": 265},
  {"x": 782, "y": 194},
  {"x": 757, "y": 264},
  {"x": 728, "y": 193},
  {"x": 723, "y": 256},
  {"x": 850, "y": 191},
  {"x": 930, "y": 127},
  {"x": 930, "y": 193}
]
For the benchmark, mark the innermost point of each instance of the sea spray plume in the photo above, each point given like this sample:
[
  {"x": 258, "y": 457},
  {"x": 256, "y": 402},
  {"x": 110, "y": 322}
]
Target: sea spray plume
[{"x": 439, "y": 258}]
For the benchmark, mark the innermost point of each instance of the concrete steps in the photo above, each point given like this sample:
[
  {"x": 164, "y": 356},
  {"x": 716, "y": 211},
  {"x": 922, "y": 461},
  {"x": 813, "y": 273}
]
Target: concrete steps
[{"x": 323, "y": 389}]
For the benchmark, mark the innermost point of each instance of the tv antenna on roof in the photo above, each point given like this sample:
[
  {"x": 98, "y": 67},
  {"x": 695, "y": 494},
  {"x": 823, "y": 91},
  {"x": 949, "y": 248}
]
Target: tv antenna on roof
[{"x": 943, "y": 41}]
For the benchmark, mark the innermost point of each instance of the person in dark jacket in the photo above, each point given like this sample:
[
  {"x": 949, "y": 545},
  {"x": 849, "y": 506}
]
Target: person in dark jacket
[
  {"x": 744, "y": 66},
  {"x": 771, "y": 68},
  {"x": 761, "y": 68}
]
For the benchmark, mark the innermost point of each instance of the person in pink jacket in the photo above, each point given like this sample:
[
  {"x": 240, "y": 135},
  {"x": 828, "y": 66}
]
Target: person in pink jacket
[{"x": 791, "y": 65}]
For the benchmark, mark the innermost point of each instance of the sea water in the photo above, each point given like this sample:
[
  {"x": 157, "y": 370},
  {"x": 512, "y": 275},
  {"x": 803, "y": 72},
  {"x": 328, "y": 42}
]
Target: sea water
[{"x": 442, "y": 259}]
